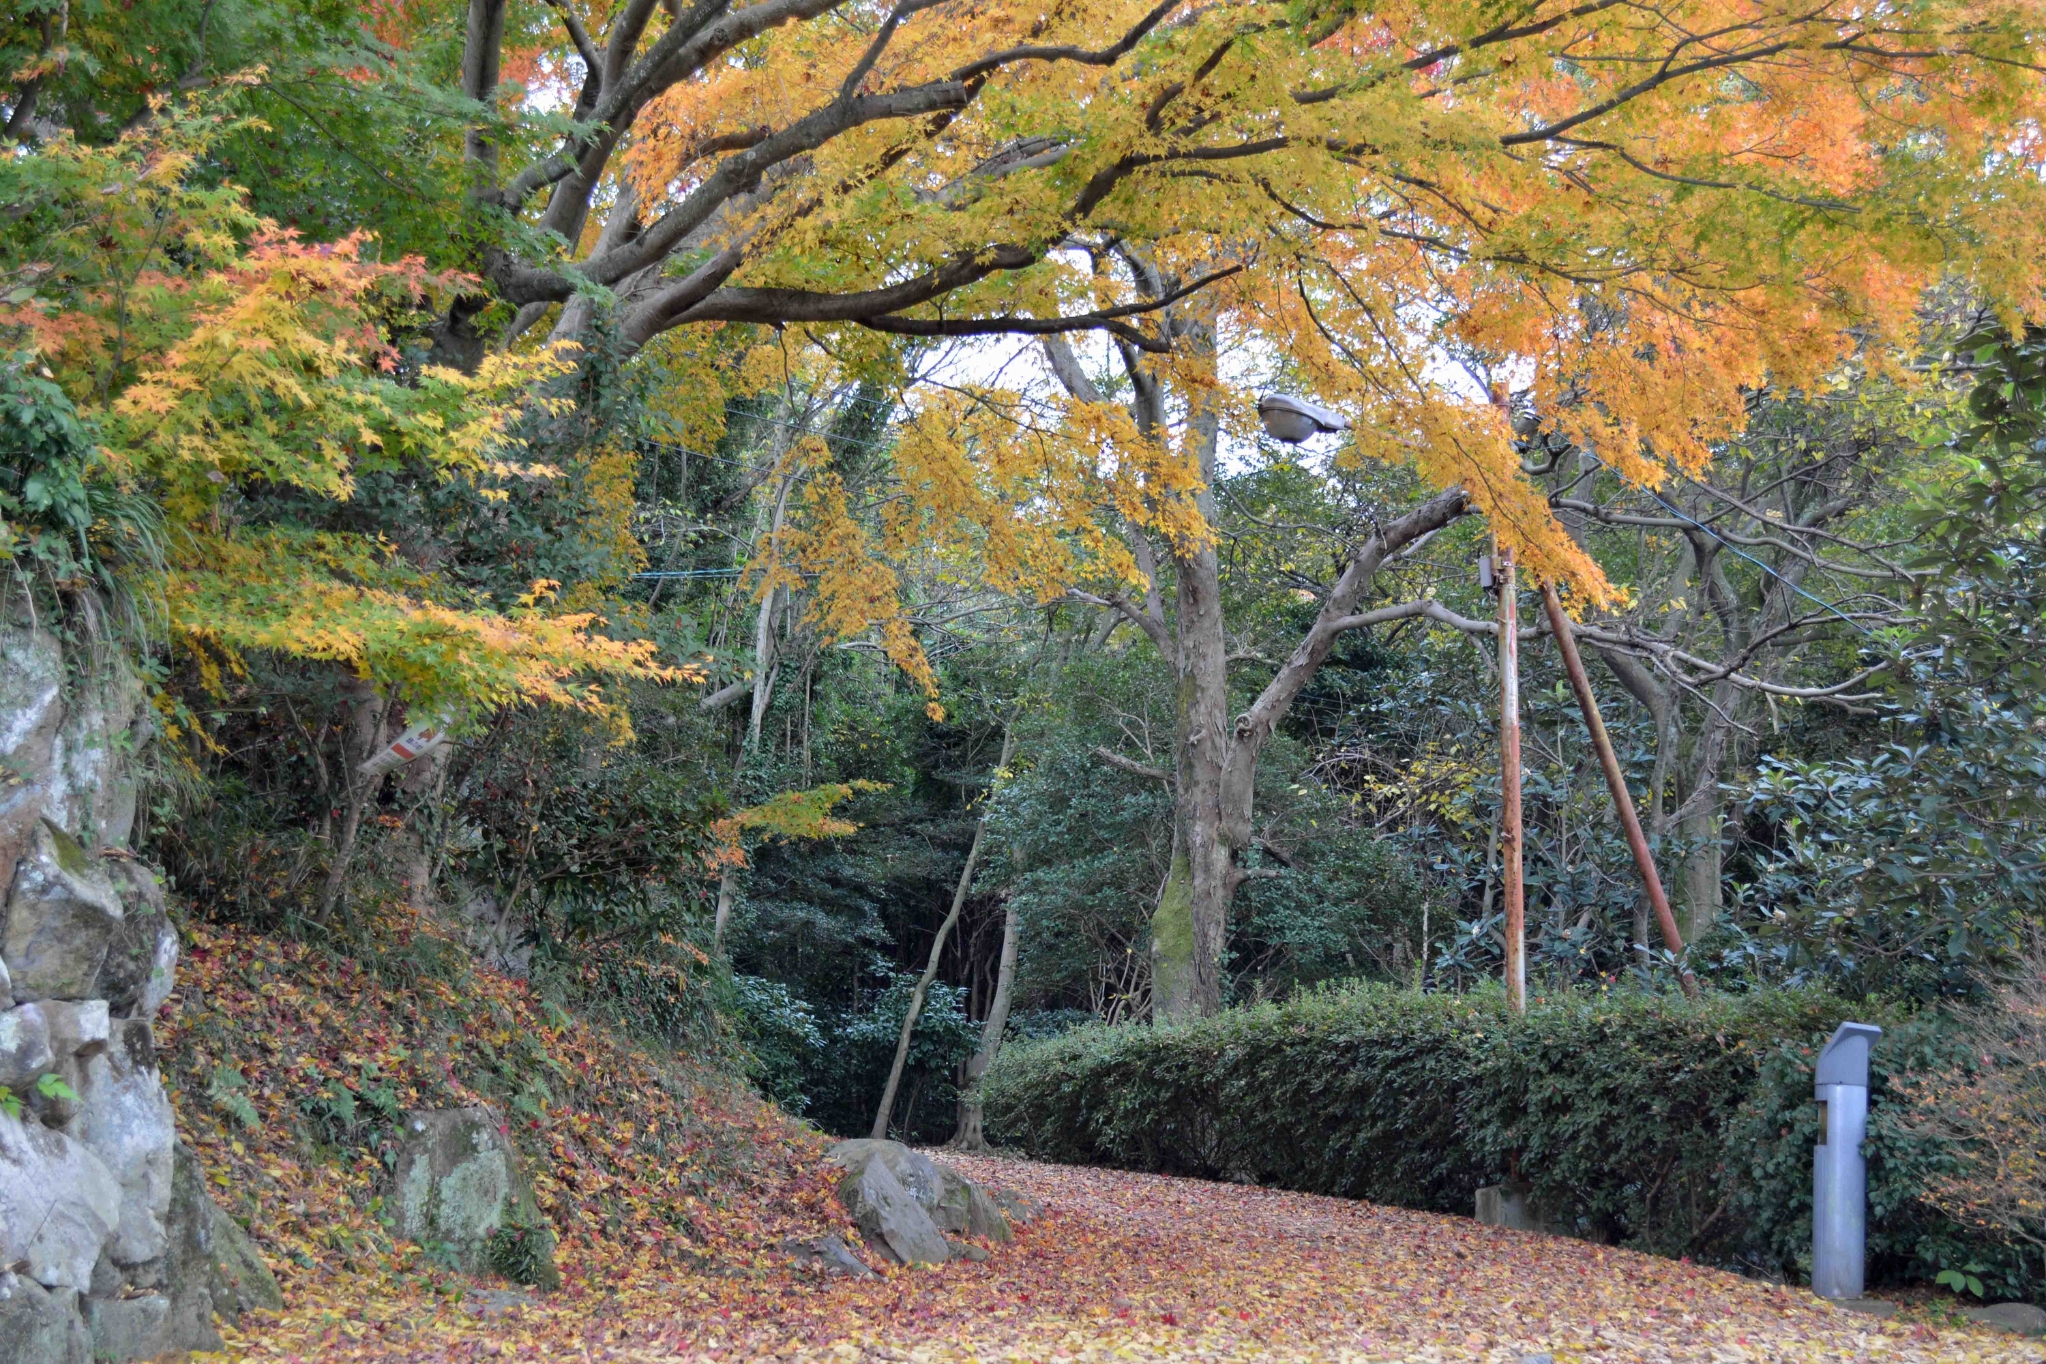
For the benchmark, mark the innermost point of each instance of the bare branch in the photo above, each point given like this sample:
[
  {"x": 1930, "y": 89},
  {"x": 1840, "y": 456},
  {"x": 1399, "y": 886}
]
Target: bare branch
[
  {"x": 1106, "y": 56},
  {"x": 1144, "y": 620},
  {"x": 1339, "y": 606},
  {"x": 1105, "y": 319},
  {"x": 580, "y": 36},
  {"x": 1131, "y": 765}
]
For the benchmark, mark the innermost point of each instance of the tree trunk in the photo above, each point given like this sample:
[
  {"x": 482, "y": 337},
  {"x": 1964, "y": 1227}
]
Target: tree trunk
[
  {"x": 970, "y": 1136},
  {"x": 765, "y": 652},
  {"x": 370, "y": 712},
  {"x": 727, "y": 884},
  {"x": 1700, "y": 818},
  {"x": 423, "y": 781},
  {"x": 1702, "y": 871},
  {"x": 1172, "y": 940},
  {"x": 923, "y": 984}
]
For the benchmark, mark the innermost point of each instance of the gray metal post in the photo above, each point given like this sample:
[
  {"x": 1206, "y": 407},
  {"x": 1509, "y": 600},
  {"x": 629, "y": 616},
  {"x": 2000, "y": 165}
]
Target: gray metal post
[{"x": 1839, "y": 1173}]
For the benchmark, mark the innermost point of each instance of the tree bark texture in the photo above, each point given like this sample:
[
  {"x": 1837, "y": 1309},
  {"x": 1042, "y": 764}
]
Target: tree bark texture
[
  {"x": 1512, "y": 839},
  {"x": 971, "y": 1135}
]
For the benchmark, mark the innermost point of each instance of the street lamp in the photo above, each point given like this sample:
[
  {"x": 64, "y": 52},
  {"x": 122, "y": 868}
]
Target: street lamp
[{"x": 1293, "y": 420}]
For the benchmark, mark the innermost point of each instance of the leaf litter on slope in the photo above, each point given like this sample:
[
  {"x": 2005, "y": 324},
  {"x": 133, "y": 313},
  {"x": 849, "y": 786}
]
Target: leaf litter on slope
[
  {"x": 672, "y": 1193},
  {"x": 1141, "y": 1267}
]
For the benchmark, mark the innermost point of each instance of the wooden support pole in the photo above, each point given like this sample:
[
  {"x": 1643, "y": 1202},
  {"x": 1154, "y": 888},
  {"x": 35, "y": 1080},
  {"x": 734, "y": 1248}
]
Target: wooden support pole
[
  {"x": 1580, "y": 682},
  {"x": 1510, "y": 839}
]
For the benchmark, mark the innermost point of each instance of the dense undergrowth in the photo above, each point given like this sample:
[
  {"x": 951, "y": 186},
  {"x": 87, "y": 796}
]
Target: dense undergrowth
[
  {"x": 289, "y": 1065},
  {"x": 1684, "y": 1129}
]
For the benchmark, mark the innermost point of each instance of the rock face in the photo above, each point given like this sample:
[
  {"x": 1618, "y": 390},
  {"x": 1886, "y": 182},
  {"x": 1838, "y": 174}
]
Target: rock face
[
  {"x": 891, "y": 1218},
  {"x": 2019, "y": 1318},
  {"x": 1508, "y": 1205},
  {"x": 912, "y": 1208},
  {"x": 458, "y": 1183},
  {"x": 61, "y": 917},
  {"x": 38, "y": 1326},
  {"x": 109, "y": 1245},
  {"x": 58, "y": 1204}
]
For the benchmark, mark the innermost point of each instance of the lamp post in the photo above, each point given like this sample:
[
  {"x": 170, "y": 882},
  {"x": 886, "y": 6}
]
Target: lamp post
[
  {"x": 1294, "y": 420},
  {"x": 1839, "y": 1172}
]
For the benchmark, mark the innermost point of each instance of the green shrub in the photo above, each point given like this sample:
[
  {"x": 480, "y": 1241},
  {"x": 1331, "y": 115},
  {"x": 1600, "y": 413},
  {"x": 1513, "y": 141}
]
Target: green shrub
[
  {"x": 1678, "y": 1128},
  {"x": 523, "y": 1251}
]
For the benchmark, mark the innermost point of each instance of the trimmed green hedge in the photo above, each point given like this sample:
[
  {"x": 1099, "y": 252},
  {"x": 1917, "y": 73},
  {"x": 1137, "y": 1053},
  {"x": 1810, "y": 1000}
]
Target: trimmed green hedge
[{"x": 1678, "y": 1128}]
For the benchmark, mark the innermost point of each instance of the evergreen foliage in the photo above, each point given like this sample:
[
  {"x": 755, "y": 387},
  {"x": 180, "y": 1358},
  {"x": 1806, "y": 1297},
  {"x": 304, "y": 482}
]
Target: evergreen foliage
[{"x": 1679, "y": 1128}]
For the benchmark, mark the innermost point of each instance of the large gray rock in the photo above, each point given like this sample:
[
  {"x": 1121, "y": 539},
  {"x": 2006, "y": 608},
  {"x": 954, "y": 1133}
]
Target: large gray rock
[
  {"x": 458, "y": 1182},
  {"x": 125, "y": 1119},
  {"x": 955, "y": 1204},
  {"x": 90, "y": 783},
  {"x": 828, "y": 1255},
  {"x": 984, "y": 1216},
  {"x": 212, "y": 1267},
  {"x": 1512, "y": 1206},
  {"x": 58, "y": 1204},
  {"x": 1020, "y": 1209},
  {"x": 61, "y": 916},
  {"x": 38, "y": 1326},
  {"x": 140, "y": 1327},
  {"x": 79, "y": 1031},
  {"x": 31, "y": 709},
  {"x": 142, "y": 955},
  {"x": 921, "y": 1176},
  {"x": 25, "y": 1053},
  {"x": 889, "y": 1216}
]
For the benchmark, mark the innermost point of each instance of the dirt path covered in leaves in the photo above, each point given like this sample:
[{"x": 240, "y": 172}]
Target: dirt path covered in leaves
[{"x": 1138, "y": 1267}]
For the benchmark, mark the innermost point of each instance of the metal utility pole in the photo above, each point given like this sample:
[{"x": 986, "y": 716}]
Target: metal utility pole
[
  {"x": 1616, "y": 781},
  {"x": 1509, "y": 785},
  {"x": 1839, "y": 1170}
]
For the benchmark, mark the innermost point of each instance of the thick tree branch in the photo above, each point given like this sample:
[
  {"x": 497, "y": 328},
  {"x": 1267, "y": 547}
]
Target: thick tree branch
[
  {"x": 1105, "y": 319},
  {"x": 1106, "y": 56},
  {"x": 1151, "y": 625},
  {"x": 742, "y": 304},
  {"x": 1356, "y": 579},
  {"x": 1131, "y": 765},
  {"x": 580, "y": 36}
]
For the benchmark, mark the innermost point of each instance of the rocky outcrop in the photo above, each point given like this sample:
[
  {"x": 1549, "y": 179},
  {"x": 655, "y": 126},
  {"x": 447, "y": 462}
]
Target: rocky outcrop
[
  {"x": 109, "y": 1248},
  {"x": 40, "y": 1326},
  {"x": 826, "y": 1255},
  {"x": 914, "y": 1209},
  {"x": 1512, "y": 1205},
  {"x": 894, "y": 1221},
  {"x": 458, "y": 1183}
]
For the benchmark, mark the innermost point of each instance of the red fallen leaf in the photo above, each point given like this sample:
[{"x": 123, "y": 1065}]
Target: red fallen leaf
[{"x": 1331, "y": 1277}]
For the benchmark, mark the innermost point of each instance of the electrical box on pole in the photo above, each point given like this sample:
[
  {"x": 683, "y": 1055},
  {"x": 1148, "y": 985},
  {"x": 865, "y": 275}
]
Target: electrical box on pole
[{"x": 1839, "y": 1172}]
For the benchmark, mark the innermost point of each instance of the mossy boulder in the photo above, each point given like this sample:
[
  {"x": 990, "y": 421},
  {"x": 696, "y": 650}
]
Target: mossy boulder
[{"x": 459, "y": 1186}]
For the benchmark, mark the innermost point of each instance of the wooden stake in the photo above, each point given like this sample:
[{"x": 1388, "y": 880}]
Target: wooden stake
[
  {"x": 1509, "y": 786},
  {"x": 1623, "y": 802}
]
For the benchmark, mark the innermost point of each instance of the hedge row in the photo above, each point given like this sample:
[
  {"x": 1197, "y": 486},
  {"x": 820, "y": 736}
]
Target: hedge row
[{"x": 1673, "y": 1127}]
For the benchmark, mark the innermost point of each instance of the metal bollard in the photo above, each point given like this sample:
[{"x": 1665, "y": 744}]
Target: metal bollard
[{"x": 1839, "y": 1172}]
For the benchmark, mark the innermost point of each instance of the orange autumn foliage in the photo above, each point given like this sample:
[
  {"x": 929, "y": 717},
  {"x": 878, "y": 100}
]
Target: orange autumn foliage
[
  {"x": 1628, "y": 224},
  {"x": 226, "y": 361}
]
